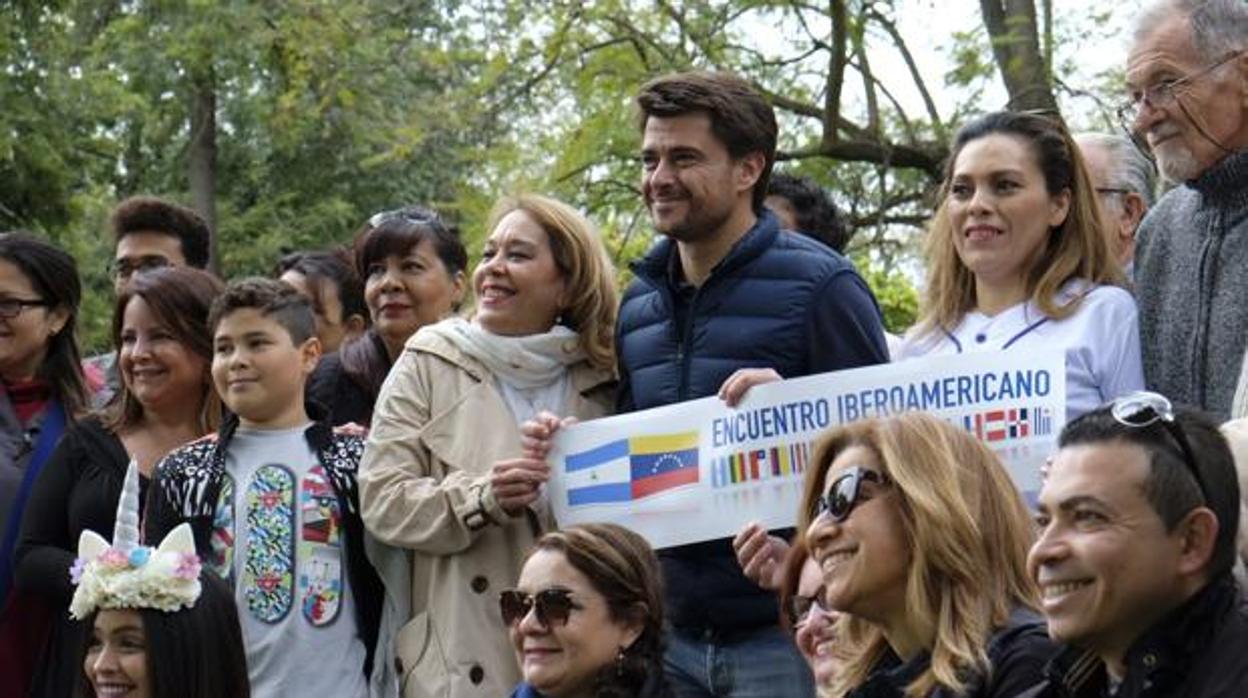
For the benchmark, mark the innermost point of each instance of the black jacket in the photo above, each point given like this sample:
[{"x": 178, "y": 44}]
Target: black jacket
[
  {"x": 187, "y": 485},
  {"x": 778, "y": 300},
  {"x": 1199, "y": 650},
  {"x": 1017, "y": 654}
]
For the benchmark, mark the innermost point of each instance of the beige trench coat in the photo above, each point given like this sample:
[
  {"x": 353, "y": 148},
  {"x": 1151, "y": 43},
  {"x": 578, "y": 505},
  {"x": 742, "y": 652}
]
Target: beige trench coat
[{"x": 439, "y": 426}]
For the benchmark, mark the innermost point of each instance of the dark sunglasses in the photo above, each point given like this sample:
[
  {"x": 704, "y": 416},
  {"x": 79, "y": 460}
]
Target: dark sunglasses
[
  {"x": 800, "y": 607},
  {"x": 1144, "y": 409},
  {"x": 553, "y": 606},
  {"x": 842, "y": 496}
]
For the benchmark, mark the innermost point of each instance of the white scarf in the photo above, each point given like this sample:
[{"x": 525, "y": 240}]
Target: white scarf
[{"x": 531, "y": 371}]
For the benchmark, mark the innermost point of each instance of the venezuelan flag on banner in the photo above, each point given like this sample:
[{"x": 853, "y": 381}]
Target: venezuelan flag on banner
[{"x": 660, "y": 463}]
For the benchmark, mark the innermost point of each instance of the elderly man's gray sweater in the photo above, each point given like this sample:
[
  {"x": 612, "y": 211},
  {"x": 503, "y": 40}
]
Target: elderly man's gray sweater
[{"x": 1191, "y": 276}]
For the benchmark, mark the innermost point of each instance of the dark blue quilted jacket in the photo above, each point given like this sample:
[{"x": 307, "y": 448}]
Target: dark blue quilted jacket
[{"x": 778, "y": 300}]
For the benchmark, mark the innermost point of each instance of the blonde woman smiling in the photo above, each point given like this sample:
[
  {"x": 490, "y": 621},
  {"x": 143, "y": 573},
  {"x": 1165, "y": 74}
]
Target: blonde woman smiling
[{"x": 922, "y": 540}]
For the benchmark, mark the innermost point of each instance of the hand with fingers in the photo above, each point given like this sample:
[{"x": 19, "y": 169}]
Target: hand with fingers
[
  {"x": 761, "y": 555},
  {"x": 517, "y": 482},
  {"x": 538, "y": 434},
  {"x": 741, "y": 380}
]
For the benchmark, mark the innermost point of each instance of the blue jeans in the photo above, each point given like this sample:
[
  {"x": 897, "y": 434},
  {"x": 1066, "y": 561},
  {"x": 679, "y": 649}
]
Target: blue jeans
[{"x": 761, "y": 664}]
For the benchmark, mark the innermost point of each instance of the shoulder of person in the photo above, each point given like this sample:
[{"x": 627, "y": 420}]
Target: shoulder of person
[
  {"x": 345, "y": 450},
  {"x": 189, "y": 459},
  {"x": 1098, "y": 298}
]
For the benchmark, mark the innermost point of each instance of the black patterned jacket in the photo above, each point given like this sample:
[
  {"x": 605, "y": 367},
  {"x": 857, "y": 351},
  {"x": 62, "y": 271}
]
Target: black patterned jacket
[{"x": 187, "y": 485}]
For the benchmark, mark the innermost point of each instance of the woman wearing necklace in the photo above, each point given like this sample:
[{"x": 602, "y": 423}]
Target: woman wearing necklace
[
  {"x": 1017, "y": 260},
  {"x": 443, "y": 482}
]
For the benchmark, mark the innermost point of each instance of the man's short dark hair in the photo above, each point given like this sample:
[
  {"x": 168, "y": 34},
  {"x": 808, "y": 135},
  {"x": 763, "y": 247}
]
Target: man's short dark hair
[
  {"x": 147, "y": 214},
  {"x": 274, "y": 299},
  {"x": 740, "y": 118},
  {"x": 817, "y": 215},
  {"x": 334, "y": 266},
  {"x": 1171, "y": 489}
]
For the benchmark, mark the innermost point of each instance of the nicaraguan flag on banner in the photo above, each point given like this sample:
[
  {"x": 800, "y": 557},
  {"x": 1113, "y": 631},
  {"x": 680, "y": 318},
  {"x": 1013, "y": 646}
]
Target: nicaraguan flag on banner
[
  {"x": 600, "y": 475},
  {"x": 629, "y": 469}
]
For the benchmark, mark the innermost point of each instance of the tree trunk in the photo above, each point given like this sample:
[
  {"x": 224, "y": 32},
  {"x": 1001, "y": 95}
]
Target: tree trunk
[
  {"x": 1016, "y": 47},
  {"x": 202, "y": 157}
]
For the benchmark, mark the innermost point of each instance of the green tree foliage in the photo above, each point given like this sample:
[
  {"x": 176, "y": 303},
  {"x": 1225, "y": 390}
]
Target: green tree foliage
[{"x": 327, "y": 111}]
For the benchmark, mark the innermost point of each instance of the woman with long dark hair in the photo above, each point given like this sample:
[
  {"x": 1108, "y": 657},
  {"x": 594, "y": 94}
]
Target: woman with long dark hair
[
  {"x": 164, "y": 351},
  {"x": 42, "y": 391}
]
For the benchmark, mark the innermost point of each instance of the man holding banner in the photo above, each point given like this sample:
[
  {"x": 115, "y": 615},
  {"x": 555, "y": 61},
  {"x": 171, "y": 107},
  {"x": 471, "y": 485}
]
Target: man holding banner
[{"x": 724, "y": 301}]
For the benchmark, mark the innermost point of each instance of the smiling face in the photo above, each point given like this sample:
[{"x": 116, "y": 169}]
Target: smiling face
[
  {"x": 1213, "y": 102},
  {"x": 865, "y": 559},
  {"x": 999, "y": 210},
  {"x": 405, "y": 293},
  {"x": 815, "y": 633},
  {"x": 520, "y": 290},
  {"x": 691, "y": 184},
  {"x": 258, "y": 370},
  {"x": 563, "y": 661},
  {"x": 24, "y": 339},
  {"x": 1105, "y": 564},
  {"x": 157, "y": 368},
  {"x": 116, "y": 661}
]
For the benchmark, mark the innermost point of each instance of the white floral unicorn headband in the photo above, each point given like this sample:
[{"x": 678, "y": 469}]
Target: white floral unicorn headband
[{"x": 128, "y": 575}]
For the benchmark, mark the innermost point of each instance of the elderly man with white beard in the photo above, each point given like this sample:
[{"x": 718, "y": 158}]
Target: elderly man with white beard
[{"x": 1187, "y": 76}]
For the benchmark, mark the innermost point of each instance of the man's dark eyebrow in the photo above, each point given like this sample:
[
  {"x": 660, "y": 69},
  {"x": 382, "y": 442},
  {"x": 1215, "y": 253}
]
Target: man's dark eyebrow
[{"x": 1081, "y": 500}]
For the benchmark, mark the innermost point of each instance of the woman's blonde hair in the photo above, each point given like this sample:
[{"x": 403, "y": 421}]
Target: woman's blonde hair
[
  {"x": 969, "y": 533},
  {"x": 583, "y": 261},
  {"x": 1076, "y": 249}
]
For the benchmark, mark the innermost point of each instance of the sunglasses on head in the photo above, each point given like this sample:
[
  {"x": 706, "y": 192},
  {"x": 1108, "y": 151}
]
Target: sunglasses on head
[
  {"x": 1144, "y": 408},
  {"x": 552, "y": 606},
  {"x": 842, "y": 495}
]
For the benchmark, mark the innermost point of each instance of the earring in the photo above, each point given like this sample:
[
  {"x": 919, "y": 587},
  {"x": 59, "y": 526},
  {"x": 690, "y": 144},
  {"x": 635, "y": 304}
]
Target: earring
[{"x": 619, "y": 663}]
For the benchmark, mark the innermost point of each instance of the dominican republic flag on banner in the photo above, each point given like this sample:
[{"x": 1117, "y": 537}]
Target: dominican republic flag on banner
[{"x": 629, "y": 469}]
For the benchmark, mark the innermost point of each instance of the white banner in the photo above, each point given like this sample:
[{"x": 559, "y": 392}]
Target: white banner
[{"x": 699, "y": 470}]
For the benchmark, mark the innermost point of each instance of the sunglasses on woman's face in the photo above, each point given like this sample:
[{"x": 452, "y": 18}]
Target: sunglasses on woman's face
[
  {"x": 842, "y": 495},
  {"x": 552, "y": 606}
]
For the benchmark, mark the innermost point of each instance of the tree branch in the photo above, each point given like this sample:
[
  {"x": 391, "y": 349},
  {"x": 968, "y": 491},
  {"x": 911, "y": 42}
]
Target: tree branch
[
  {"x": 873, "y": 151},
  {"x": 836, "y": 71},
  {"x": 930, "y": 104}
]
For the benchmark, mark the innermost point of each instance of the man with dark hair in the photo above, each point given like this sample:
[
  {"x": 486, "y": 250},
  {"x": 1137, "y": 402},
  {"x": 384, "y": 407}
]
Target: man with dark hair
[
  {"x": 147, "y": 233},
  {"x": 723, "y": 301},
  {"x": 151, "y": 232},
  {"x": 1138, "y": 516},
  {"x": 805, "y": 207}
]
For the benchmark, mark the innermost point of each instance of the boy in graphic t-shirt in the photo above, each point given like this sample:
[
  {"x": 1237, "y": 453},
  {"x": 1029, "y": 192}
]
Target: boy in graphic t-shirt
[{"x": 274, "y": 505}]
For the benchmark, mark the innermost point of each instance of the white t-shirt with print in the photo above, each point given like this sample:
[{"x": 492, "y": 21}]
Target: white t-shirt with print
[
  {"x": 1101, "y": 339},
  {"x": 278, "y": 537}
]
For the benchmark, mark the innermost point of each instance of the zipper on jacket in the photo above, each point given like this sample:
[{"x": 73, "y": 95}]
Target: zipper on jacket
[{"x": 683, "y": 358}]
